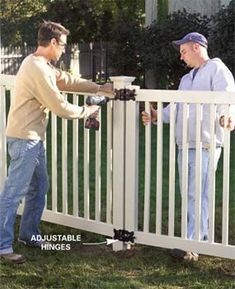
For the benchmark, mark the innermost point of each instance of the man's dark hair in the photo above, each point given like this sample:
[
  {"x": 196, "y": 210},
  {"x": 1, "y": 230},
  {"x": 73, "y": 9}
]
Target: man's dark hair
[{"x": 49, "y": 30}]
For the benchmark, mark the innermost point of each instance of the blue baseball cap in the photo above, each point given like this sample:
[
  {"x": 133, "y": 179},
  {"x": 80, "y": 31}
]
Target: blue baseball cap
[{"x": 191, "y": 37}]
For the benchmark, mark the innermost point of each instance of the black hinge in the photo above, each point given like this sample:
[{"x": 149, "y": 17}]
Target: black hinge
[
  {"x": 125, "y": 94},
  {"x": 124, "y": 235}
]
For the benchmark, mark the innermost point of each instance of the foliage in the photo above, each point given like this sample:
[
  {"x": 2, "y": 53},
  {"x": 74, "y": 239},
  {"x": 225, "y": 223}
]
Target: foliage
[
  {"x": 87, "y": 21},
  {"x": 135, "y": 49},
  {"x": 126, "y": 39},
  {"x": 19, "y": 21},
  {"x": 223, "y": 35},
  {"x": 83, "y": 18}
]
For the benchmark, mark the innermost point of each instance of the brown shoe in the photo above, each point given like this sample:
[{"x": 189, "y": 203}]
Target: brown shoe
[{"x": 13, "y": 258}]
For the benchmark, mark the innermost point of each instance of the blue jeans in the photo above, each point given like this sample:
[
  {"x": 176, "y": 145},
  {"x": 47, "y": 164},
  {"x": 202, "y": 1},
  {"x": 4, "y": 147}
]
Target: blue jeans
[
  {"x": 27, "y": 177},
  {"x": 205, "y": 157}
]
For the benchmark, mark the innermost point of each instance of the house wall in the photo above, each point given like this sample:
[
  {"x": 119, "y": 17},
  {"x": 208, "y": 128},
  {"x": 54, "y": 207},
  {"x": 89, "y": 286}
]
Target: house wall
[{"x": 204, "y": 7}]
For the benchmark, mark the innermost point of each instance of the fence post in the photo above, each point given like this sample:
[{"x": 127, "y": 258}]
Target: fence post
[
  {"x": 74, "y": 64},
  {"x": 131, "y": 163},
  {"x": 119, "y": 120}
]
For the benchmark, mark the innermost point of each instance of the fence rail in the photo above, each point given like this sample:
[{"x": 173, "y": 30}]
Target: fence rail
[{"x": 124, "y": 176}]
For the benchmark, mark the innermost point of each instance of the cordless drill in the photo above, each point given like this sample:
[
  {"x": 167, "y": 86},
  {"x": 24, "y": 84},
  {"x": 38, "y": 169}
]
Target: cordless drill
[{"x": 92, "y": 122}]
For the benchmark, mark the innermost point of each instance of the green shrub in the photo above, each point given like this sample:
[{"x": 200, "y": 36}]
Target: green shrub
[
  {"x": 222, "y": 40},
  {"x": 126, "y": 41}
]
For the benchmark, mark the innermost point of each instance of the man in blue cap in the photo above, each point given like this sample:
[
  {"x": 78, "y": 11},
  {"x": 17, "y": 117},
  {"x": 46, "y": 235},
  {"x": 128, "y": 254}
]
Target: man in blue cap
[{"x": 206, "y": 75}]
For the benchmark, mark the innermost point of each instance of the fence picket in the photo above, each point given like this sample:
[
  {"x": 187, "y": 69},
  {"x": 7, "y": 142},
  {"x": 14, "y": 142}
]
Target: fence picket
[
  {"x": 226, "y": 172},
  {"x": 211, "y": 189},
  {"x": 75, "y": 162},
  {"x": 198, "y": 169},
  {"x": 159, "y": 169},
  {"x": 171, "y": 210},
  {"x": 147, "y": 177}
]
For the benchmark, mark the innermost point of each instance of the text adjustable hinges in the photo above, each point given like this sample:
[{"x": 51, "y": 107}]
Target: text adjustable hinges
[
  {"x": 125, "y": 94},
  {"x": 124, "y": 236}
]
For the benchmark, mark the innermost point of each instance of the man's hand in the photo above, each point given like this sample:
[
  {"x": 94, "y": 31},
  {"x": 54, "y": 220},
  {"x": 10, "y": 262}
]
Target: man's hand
[
  {"x": 92, "y": 110},
  {"x": 230, "y": 123},
  {"x": 106, "y": 90},
  {"x": 146, "y": 118}
]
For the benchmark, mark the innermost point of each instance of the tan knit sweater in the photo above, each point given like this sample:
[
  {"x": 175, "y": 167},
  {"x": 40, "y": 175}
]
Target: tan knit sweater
[{"x": 36, "y": 92}]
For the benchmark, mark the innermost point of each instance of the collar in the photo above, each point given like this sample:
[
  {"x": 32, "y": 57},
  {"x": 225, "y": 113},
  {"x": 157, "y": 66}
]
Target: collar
[{"x": 193, "y": 71}]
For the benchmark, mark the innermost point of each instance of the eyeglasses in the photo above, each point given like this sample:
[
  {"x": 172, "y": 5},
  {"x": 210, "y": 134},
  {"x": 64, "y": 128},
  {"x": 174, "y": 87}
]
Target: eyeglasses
[{"x": 62, "y": 44}]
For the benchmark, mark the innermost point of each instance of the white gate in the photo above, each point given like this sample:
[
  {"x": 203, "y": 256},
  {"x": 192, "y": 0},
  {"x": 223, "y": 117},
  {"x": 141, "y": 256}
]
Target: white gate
[
  {"x": 124, "y": 176},
  {"x": 159, "y": 218}
]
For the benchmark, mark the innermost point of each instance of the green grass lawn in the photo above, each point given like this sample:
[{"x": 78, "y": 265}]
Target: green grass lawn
[{"x": 99, "y": 267}]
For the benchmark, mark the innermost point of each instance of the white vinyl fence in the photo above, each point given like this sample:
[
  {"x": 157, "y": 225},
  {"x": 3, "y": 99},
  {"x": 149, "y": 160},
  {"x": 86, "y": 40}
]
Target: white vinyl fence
[{"x": 124, "y": 176}]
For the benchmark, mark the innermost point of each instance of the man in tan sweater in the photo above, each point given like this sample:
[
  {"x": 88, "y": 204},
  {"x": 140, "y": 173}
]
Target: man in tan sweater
[{"x": 37, "y": 91}]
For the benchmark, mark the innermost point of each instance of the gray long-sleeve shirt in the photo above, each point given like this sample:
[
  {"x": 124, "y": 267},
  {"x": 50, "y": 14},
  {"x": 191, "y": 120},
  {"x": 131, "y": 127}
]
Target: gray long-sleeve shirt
[{"x": 211, "y": 76}]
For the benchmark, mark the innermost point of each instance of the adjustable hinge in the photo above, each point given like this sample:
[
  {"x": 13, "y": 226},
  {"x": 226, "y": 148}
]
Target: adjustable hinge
[
  {"x": 125, "y": 94},
  {"x": 124, "y": 236}
]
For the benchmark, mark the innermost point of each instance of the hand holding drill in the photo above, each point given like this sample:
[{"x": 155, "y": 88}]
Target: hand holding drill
[
  {"x": 100, "y": 99},
  {"x": 92, "y": 121}
]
